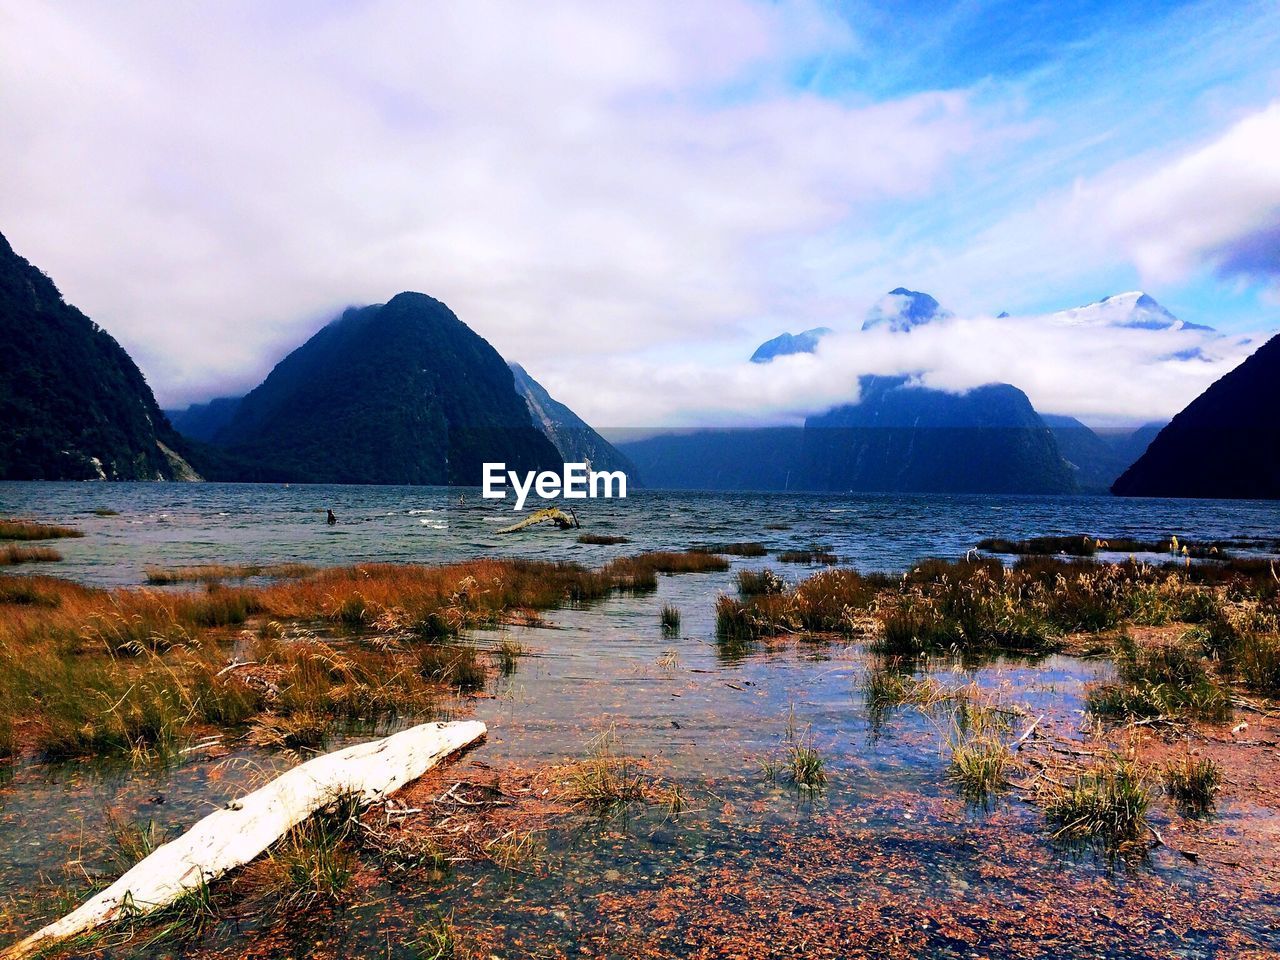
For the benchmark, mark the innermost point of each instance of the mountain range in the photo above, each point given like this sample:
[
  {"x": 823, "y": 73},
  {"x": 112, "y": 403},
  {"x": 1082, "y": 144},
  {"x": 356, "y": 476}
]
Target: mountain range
[{"x": 405, "y": 392}]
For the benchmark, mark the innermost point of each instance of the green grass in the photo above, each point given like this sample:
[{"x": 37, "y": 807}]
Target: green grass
[
  {"x": 1105, "y": 805},
  {"x": 1193, "y": 782},
  {"x": 1167, "y": 681},
  {"x": 436, "y": 940}
]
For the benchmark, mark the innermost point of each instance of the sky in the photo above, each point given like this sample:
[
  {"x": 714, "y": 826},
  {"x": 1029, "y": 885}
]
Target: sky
[{"x": 628, "y": 197}]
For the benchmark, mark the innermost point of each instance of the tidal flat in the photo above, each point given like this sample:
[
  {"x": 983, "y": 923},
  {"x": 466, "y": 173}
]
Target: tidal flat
[{"x": 1036, "y": 756}]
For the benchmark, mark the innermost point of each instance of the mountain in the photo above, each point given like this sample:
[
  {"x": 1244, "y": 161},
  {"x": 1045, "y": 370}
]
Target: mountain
[
  {"x": 73, "y": 405},
  {"x": 203, "y": 421},
  {"x": 1096, "y": 461},
  {"x": 1133, "y": 311},
  {"x": 1132, "y": 444},
  {"x": 401, "y": 392},
  {"x": 765, "y": 458},
  {"x": 901, "y": 310},
  {"x": 1226, "y": 443},
  {"x": 906, "y": 438},
  {"x": 572, "y": 437},
  {"x": 788, "y": 343}
]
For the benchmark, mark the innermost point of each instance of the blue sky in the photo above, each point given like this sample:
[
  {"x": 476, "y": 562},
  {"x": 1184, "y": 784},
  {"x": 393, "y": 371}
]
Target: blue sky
[{"x": 628, "y": 198}]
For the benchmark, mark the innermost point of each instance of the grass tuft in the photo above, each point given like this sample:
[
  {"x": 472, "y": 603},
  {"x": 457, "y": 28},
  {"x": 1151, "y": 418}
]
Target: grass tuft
[
  {"x": 602, "y": 539},
  {"x": 31, "y": 530},
  {"x": 1106, "y": 804},
  {"x": 1193, "y": 782},
  {"x": 12, "y": 555},
  {"x": 670, "y": 620}
]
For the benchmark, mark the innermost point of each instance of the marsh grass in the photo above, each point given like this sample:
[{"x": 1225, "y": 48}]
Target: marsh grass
[
  {"x": 748, "y": 549},
  {"x": 316, "y": 860},
  {"x": 508, "y": 653},
  {"x": 670, "y": 618},
  {"x": 1193, "y": 783},
  {"x": 604, "y": 778},
  {"x": 13, "y": 554},
  {"x": 515, "y": 850},
  {"x": 1257, "y": 662},
  {"x": 981, "y": 754},
  {"x": 806, "y": 766},
  {"x": 1106, "y": 805},
  {"x": 828, "y": 602},
  {"x": 104, "y": 512},
  {"x": 436, "y": 940},
  {"x": 134, "y": 672},
  {"x": 216, "y": 572},
  {"x": 1160, "y": 681},
  {"x": 639, "y": 574},
  {"x": 31, "y": 530},
  {"x": 754, "y": 583},
  {"x": 602, "y": 539},
  {"x": 814, "y": 553},
  {"x": 889, "y": 684},
  {"x": 456, "y": 665}
]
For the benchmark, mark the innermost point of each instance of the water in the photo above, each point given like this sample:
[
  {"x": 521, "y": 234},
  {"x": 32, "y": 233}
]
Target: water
[
  {"x": 887, "y": 846},
  {"x": 162, "y": 524}
]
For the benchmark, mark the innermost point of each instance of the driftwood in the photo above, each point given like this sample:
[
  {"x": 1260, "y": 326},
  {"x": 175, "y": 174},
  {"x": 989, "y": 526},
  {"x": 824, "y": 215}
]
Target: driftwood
[
  {"x": 245, "y": 828},
  {"x": 564, "y": 521}
]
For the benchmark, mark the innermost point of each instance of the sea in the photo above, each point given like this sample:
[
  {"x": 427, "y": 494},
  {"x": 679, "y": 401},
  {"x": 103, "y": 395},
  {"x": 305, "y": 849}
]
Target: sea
[{"x": 131, "y": 526}]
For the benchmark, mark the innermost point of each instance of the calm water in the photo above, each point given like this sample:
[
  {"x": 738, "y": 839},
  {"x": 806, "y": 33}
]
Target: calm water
[
  {"x": 706, "y": 720},
  {"x": 168, "y": 524}
]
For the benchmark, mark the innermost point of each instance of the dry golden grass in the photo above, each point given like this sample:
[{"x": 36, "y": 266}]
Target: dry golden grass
[
  {"x": 13, "y": 554},
  {"x": 92, "y": 671},
  {"x": 31, "y": 530},
  {"x": 213, "y": 572}
]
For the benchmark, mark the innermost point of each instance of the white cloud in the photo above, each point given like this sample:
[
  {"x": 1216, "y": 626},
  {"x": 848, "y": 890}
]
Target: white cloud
[
  {"x": 1217, "y": 205},
  {"x": 1105, "y": 376},
  {"x": 209, "y": 181}
]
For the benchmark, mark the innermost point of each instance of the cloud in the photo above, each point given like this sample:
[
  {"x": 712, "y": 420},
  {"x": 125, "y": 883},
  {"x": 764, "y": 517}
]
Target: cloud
[
  {"x": 1217, "y": 205},
  {"x": 210, "y": 182},
  {"x": 1105, "y": 375}
]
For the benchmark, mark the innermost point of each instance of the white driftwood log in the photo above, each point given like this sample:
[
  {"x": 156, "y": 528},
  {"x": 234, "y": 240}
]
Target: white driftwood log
[{"x": 245, "y": 828}]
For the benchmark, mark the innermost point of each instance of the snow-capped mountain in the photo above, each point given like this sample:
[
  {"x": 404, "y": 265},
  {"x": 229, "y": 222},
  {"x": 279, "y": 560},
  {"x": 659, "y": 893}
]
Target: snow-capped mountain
[
  {"x": 902, "y": 309},
  {"x": 1134, "y": 310}
]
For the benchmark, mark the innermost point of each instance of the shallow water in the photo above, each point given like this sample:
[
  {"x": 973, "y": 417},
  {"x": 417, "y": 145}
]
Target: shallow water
[
  {"x": 166, "y": 524},
  {"x": 705, "y": 721}
]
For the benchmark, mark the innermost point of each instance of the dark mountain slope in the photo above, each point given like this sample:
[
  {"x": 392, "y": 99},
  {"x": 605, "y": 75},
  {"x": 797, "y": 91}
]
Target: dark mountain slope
[
  {"x": 762, "y": 459},
  {"x": 572, "y": 436},
  {"x": 204, "y": 421},
  {"x": 1226, "y": 443},
  {"x": 402, "y": 392},
  {"x": 905, "y": 438},
  {"x": 73, "y": 405},
  {"x": 1096, "y": 462}
]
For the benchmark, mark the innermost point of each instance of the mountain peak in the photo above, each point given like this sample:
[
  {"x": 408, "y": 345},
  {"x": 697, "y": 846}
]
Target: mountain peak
[
  {"x": 1132, "y": 310},
  {"x": 787, "y": 343},
  {"x": 902, "y": 309}
]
